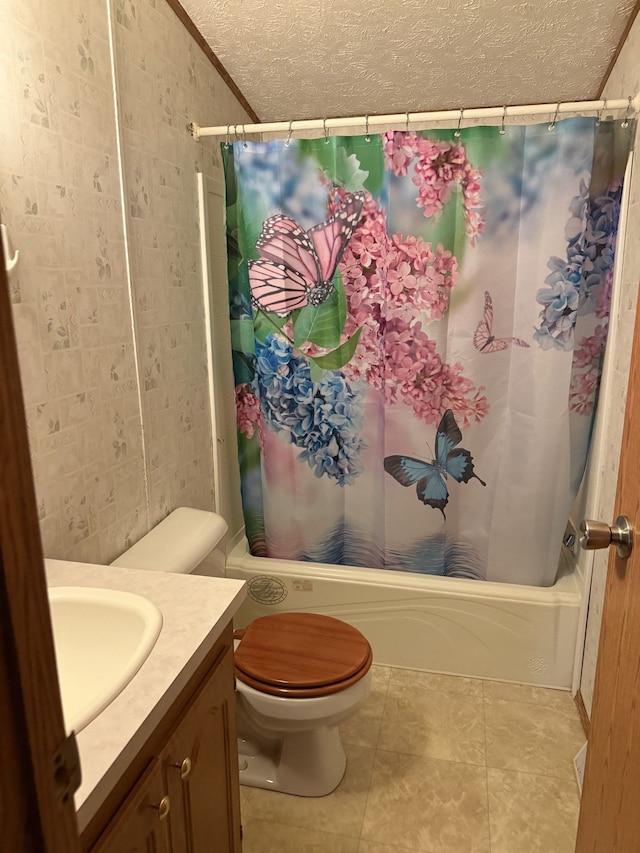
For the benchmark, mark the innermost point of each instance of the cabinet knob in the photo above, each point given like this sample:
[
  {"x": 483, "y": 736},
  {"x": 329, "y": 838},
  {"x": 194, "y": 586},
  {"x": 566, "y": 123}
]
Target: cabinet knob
[
  {"x": 184, "y": 767},
  {"x": 163, "y": 807}
]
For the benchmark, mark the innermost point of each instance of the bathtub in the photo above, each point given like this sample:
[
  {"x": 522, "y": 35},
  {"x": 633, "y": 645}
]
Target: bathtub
[{"x": 448, "y": 625}]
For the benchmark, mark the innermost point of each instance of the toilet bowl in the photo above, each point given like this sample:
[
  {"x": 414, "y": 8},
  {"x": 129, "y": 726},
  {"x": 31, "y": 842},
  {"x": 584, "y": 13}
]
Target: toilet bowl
[{"x": 298, "y": 675}]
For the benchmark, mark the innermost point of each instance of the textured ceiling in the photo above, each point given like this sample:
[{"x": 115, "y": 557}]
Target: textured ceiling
[{"x": 296, "y": 59}]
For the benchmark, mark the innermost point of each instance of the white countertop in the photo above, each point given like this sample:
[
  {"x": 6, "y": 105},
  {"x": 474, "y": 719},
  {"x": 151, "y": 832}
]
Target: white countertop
[{"x": 195, "y": 611}]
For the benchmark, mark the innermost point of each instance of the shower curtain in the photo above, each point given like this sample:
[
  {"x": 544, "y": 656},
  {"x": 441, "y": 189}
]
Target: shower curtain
[{"x": 418, "y": 325}]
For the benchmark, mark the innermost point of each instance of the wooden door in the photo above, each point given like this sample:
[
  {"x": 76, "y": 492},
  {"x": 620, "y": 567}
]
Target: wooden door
[
  {"x": 143, "y": 821},
  {"x": 610, "y": 808},
  {"x": 201, "y": 769},
  {"x": 36, "y": 816}
]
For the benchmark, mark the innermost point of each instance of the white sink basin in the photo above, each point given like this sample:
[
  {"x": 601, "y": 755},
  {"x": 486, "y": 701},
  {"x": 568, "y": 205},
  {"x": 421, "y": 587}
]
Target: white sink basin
[{"x": 102, "y": 637}]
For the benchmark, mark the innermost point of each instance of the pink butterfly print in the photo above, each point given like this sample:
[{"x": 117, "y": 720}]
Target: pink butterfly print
[
  {"x": 296, "y": 266},
  {"x": 484, "y": 339}
]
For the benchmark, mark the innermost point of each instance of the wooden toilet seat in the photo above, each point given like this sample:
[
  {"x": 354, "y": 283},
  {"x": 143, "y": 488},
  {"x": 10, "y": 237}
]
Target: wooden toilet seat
[{"x": 301, "y": 655}]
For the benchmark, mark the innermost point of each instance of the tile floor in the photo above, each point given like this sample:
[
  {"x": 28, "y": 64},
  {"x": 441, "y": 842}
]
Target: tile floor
[{"x": 438, "y": 764}]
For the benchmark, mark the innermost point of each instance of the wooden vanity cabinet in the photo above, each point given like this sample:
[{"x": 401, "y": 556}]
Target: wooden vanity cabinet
[
  {"x": 187, "y": 800},
  {"x": 142, "y": 823},
  {"x": 201, "y": 770}
]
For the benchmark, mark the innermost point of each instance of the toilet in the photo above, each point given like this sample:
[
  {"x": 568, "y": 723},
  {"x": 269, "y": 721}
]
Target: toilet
[{"x": 298, "y": 675}]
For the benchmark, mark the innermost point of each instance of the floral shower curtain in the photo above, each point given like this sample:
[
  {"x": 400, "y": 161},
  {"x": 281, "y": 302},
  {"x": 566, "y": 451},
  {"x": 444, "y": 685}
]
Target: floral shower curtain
[{"x": 418, "y": 325}]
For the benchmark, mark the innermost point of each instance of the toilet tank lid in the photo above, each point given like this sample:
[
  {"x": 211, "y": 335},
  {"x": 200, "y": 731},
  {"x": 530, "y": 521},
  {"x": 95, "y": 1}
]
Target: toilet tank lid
[{"x": 178, "y": 544}]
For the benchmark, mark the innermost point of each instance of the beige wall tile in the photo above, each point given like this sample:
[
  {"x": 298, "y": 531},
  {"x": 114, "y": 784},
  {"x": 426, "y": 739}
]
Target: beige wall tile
[{"x": 60, "y": 197}]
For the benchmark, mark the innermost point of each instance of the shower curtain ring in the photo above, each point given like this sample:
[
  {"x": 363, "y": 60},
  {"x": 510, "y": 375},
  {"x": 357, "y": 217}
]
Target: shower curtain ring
[
  {"x": 456, "y": 132},
  {"x": 326, "y": 132},
  {"x": 625, "y": 123},
  {"x": 407, "y": 127},
  {"x": 288, "y": 142},
  {"x": 235, "y": 132},
  {"x": 245, "y": 144},
  {"x": 367, "y": 138},
  {"x": 552, "y": 126},
  {"x": 226, "y": 141},
  {"x": 504, "y": 115},
  {"x": 604, "y": 106}
]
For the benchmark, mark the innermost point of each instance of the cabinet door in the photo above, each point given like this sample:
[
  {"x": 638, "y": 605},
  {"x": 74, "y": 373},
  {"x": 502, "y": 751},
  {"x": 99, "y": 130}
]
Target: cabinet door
[
  {"x": 201, "y": 769},
  {"x": 142, "y": 823}
]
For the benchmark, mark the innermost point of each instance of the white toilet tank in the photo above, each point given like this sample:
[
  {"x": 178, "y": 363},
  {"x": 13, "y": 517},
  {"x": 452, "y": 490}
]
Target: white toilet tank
[{"x": 186, "y": 541}]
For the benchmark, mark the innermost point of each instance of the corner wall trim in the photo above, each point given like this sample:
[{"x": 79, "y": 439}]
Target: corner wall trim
[
  {"x": 614, "y": 58},
  {"x": 582, "y": 710},
  {"x": 213, "y": 59}
]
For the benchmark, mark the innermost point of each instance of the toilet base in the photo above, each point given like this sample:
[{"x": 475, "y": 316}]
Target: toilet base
[{"x": 307, "y": 764}]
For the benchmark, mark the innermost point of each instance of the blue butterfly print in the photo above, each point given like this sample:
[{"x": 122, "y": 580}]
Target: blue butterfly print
[{"x": 431, "y": 476}]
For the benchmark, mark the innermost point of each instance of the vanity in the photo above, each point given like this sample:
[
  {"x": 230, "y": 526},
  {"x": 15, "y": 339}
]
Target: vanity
[{"x": 159, "y": 763}]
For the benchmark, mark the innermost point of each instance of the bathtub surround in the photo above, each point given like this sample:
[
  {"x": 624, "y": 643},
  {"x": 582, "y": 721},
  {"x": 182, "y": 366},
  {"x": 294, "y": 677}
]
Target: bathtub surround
[
  {"x": 447, "y": 625},
  {"x": 118, "y": 437}
]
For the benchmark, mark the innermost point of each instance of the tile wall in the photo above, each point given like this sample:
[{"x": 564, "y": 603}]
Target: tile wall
[{"x": 117, "y": 442}]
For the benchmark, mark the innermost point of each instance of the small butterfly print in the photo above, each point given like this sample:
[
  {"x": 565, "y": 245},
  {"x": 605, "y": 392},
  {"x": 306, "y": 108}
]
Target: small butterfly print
[
  {"x": 296, "y": 267},
  {"x": 484, "y": 339},
  {"x": 431, "y": 476}
]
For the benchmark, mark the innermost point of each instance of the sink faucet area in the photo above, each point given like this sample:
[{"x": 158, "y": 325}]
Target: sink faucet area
[{"x": 102, "y": 637}]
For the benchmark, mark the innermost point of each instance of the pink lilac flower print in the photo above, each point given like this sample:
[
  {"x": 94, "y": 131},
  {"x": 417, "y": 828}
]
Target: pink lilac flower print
[
  {"x": 439, "y": 167},
  {"x": 248, "y": 411},
  {"x": 390, "y": 283},
  {"x": 416, "y": 375}
]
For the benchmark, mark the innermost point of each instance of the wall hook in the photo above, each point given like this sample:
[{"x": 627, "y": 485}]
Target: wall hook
[{"x": 10, "y": 261}]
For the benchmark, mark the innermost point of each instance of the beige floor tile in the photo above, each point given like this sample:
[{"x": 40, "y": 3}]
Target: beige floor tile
[
  {"x": 363, "y": 728},
  {"x": 427, "y": 804},
  {"x": 433, "y": 724},
  {"x": 381, "y": 674},
  {"x": 245, "y": 793},
  {"x": 536, "y": 814},
  {"x": 560, "y": 700},
  {"x": 262, "y": 836},
  {"x": 341, "y": 810},
  {"x": 531, "y": 738},
  {"x": 436, "y": 681},
  {"x": 373, "y": 847}
]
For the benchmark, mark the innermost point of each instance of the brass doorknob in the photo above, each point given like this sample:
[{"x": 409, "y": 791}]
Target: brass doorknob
[{"x": 597, "y": 534}]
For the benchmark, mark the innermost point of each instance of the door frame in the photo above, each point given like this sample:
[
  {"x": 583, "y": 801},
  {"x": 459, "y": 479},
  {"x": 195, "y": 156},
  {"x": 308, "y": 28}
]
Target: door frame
[
  {"x": 38, "y": 817},
  {"x": 609, "y": 814}
]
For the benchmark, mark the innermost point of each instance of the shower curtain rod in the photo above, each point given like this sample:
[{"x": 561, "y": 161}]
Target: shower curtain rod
[{"x": 631, "y": 105}]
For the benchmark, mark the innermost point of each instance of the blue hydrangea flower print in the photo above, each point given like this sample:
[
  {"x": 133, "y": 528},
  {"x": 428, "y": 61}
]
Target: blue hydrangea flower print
[
  {"x": 281, "y": 181},
  {"x": 322, "y": 418},
  {"x": 573, "y": 284}
]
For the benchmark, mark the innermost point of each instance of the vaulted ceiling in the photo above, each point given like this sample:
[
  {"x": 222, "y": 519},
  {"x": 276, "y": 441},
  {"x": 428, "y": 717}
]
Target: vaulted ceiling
[{"x": 295, "y": 59}]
